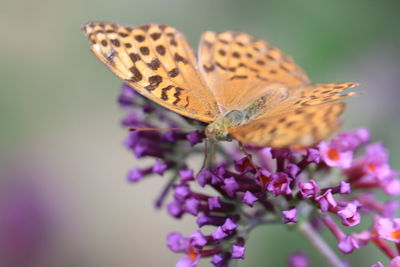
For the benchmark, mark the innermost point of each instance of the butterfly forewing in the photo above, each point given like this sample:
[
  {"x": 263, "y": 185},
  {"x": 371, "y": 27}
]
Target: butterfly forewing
[
  {"x": 239, "y": 68},
  {"x": 157, "y": 61}
]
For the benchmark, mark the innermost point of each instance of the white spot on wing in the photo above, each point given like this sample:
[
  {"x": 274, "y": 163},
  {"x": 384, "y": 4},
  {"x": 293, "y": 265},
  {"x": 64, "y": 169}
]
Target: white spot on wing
[{"x": 97, "y": 48}]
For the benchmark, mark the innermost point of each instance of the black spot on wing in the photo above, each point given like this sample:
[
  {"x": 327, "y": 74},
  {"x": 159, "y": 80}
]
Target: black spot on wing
[
  {"x": 177, "y": 94},
  {"x": 164, "y": 91},
  {"x": 154, "y": 64},
  {"x": 154, "y": 82}
]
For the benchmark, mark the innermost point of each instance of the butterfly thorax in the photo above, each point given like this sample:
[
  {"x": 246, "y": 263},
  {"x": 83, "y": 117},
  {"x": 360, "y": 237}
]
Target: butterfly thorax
[{"x": 219, "y": 129}]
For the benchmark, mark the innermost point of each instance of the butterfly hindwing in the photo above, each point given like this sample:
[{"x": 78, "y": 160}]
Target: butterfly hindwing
[
  {"x": 303, "y": 126},
  {"x": 306, "y": 96},
  {"x": 158, "y": 62}
]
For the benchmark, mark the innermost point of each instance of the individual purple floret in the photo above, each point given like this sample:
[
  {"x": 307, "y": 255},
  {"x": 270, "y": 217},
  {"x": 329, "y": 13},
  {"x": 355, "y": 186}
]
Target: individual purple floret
[
  {"x": 326, "y": 200},
  {"x": 238, "y": 252},
  {"x": 289, "y": 216},
  {"x": 330, "y": 185},
  {"x": 298, "y": 259},
  {"x": 249, "y": 198},
  {"x": 308, "y": 189}
]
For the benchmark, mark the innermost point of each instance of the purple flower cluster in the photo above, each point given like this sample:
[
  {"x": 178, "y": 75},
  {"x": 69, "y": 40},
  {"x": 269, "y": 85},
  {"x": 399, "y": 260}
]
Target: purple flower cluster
[{"x": 331, "y": 184}]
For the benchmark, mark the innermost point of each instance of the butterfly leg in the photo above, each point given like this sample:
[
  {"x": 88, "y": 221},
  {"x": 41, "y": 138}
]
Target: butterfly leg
[
  {"x": 213, "y": 154},
  {"x": 203, "y": 165},
  {"x": 248, "y": 155},
  {"x": 209, "y": 154}
]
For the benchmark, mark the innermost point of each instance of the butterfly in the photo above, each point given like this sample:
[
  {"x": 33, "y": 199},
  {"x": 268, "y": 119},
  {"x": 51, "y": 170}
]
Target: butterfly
[{"x": 242, "y": 87}]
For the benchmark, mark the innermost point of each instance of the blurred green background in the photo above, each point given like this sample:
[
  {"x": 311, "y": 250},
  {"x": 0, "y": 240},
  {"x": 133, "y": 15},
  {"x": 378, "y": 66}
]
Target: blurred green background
[{"x": 62, "y": 163}]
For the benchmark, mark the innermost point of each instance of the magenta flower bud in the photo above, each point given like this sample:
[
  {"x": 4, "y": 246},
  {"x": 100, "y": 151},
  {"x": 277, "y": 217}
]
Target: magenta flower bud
[
  {"x": 176, "y": 242},
  {"x": 186, "y": 175},
  {"x": 292, "y": 170},
  {"x": 135, "y": 175},
  {"x": 204, "y": 177},
  {"x": 229, "y": 225},
  {"x": 147, "y": 108},
  {"x": 348, "y": 244},
  {"x": 215, "y": 180},
  {"x": 363, "y": 135},
  {"x": 344, "y": 188},
  {"x": 266, "y": 158},
  {"x": 214, "y": 203},
  {"x": 263, "y": 178},
  {"x": 243, "y": 165},
  {"x": 195, "y": 137},
  {"x": 309, "y": 189},
  {"x": 249, "y": 198},
  {"x": 350, "y": 141},
  {"x": 298, "y": 259},
  {"x": 159, "y": 167},
  {"x": 221, "y": 171},
  {"x": 289, "y": 216},
  {"x": 181, "y": 192},
  {"x": 391, "y": 184},
  {"x": 354, "y": 241},
  {"x": 238, "y": 252},
  {"x": 172, "y": 136},
  {"x": 175, "y": 209},
  {"x": 127, "y": 96},
  {"x": 230, "y": 186},
  {"x": 147, "y": 148},
  {"x": 280, "y": 184},
  {"x": 198, "y": 239},
  {"x": 313, "y": 155},
  {"x": 192, "y": 206},
  {"x": 219, "y": 259},
  {"x": 326, "y": 200},
  {"x": 349, "y": 215},
  {"x": 219, "y": 234},
  {"x": 390, "y": 208}
]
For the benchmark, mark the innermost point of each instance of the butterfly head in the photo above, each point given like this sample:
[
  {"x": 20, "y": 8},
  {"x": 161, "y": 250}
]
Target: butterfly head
[{"x": 218, "y": 130}]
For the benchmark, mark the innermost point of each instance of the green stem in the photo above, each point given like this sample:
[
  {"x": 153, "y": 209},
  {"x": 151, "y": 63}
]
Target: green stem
[
  {"x": 320, "y": 245},
  {"x": 233, "y": 263},
  {"x": 160, "y": 200}
]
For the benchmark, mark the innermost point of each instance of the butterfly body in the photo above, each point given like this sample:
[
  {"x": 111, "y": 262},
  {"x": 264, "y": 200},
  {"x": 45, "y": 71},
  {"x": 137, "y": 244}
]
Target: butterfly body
[
  {"x": 219, "y": 129},
  {"x": 243, "y": 87}
]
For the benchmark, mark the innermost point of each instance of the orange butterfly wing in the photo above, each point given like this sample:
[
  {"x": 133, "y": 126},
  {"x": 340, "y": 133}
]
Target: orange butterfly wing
[
  {"x": 239, "y": 69},
  {"x": 234, "y": 71},
  {"x": 158, "y": 62},
  {"x": 307, "y": 116}
]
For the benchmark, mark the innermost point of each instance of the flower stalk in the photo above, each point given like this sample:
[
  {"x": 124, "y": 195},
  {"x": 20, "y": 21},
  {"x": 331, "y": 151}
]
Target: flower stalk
[{"x": 320, "y": 245}]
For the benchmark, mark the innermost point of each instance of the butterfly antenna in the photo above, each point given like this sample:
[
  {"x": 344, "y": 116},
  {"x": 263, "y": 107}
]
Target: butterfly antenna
[{"x": 160, "y": 129}]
